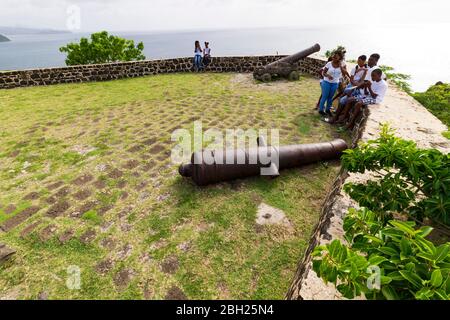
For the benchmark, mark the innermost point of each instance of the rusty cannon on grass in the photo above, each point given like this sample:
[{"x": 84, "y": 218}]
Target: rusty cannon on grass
[
  {"x": 286, "y": 67},
  {"x": 213, "y": 166}
]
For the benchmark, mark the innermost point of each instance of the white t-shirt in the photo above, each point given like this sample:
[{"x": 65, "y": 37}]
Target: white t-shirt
[
  {"x": 379, "y": 88},
  {"x": 357, "y": 74},
  {"x": 198, "y": 52},
  {"x": 207, "y": 51},
  {"x": 336, "y": 73},
  {"x": 369, "y": 74}
]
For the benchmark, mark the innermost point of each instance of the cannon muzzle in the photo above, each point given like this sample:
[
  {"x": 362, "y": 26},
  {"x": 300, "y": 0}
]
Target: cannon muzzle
[{"x": 213, "y": 166}]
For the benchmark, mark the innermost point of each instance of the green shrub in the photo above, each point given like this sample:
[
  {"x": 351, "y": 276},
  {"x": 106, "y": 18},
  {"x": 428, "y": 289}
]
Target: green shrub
[
  {"x": 385, "y": 258},
  {"x": 102, "y": 48},
  {"x": 437, "y": 100},
  {"x": 410, "y": 180},
  {"x": 330, "y": 53},
  {"x": 400, "y": 79},
  {"x": 390, "y": 260}
]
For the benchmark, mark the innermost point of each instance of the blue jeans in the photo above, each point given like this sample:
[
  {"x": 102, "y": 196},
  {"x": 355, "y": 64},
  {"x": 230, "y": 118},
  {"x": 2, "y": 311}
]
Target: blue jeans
[
  {"x": 347, "y": 90},
  {"x": 197, "y": 63},
  {"x": 328, "y": 92}
]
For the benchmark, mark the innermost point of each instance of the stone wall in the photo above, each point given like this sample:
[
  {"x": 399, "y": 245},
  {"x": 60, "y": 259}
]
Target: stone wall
[
  {"x": 325, "y": 221},
  {"x": 112, "y": 71}
]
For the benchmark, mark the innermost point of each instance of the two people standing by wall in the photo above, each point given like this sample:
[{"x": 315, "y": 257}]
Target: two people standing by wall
[{"x": 200, "y": 62}]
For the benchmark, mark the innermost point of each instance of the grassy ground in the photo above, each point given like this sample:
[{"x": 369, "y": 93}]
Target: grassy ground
[{"x": 86, "y": 180}]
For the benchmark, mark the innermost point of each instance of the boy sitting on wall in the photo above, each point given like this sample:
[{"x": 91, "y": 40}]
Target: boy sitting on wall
[{"x": 368, "y": 93}]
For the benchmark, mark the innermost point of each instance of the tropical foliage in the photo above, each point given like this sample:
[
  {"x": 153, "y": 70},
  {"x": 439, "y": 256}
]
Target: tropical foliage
[
  {"x": 102, "y": 48},
  {"x": 385, "y": 257},
  {"x": 437, "y": 100}
]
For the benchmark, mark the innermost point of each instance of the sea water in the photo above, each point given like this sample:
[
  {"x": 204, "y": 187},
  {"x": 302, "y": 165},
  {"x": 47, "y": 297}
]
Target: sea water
[{"x": 418, "y": 50}]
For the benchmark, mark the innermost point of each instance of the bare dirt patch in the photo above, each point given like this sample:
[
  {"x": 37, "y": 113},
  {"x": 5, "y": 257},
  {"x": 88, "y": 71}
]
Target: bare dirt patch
[
  {"x": 149, "y": 142},
  {"x": 123, "y": 278},
  {"x": 58, "y": 209},
  {"x": 29, "y": 229},
  {"x": 63, "y": 192},
  {"x": 99, "y": 184},
  {"x": 156, "y": 149},
  {"x": 130, "y": 164},
  {"x": 135, "y": 148},
  {"x": 82, "y": 194},
  {"x": 101, "y": 211},
  {"x": 87, "y": 207},
  {"x": 47, "y": 233},
  {"x": 66, "y": 236},
  {"x": 115, "y": 174},
  {"x": 170, "y": 265},
  {"x": 19, "y": 218},
  {"x": 88, "y": 236},
  {"x": 175, "y": 293},
  {"x": 83, "y": 179},
  {"x": 31, "y": 196},
  {"x": 121, "y": 184},
  {"x": 103, "y": 267},
  {"x": 55, "y": 185},
  {"x": 124, "y": 252},
  {"x": 108, "y": 243}
]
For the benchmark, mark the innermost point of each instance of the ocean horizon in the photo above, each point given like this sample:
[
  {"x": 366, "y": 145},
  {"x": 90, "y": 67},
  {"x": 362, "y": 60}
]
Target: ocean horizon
[{"x": 415, "y": 50}]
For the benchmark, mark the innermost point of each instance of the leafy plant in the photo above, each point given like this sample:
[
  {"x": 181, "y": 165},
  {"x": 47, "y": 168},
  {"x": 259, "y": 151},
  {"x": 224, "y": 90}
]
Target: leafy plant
[
  {"x": 409, "y": 180},
  {"x": 400, "y": 79},
  {"x": 330, "y": 53},
  {"x": 102, "y": 48},
  {"x": 437, "y": 100},
  {"x": 385, "y": 260}
]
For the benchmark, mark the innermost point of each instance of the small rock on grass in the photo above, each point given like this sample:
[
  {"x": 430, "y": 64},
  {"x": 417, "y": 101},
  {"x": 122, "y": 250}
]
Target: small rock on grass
[{"x": 5, "y": 253}]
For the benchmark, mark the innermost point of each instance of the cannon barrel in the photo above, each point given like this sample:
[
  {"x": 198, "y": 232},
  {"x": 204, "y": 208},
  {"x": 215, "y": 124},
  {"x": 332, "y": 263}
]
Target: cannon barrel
[
  {"x": 219, "y": 168},
  {"x": 287, "y": 67},
  {"x": 298, "y": 56}
]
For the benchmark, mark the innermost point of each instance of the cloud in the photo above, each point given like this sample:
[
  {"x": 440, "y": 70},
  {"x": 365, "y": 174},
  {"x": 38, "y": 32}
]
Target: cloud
[{"x": 206, "y": 14}]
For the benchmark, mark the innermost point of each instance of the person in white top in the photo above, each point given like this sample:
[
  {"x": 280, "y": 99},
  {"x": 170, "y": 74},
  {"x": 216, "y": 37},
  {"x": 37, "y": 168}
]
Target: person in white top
[
  {"x": 376, "y": 91},
  {"x": 332, "y": 73},
  {"x": 198, "y": 57},
  {"x": 373, "y": 65},
  {"x": 357, "y": 76},
  {"x": 359, "y": 72},
  {"x": 365, "y": 94},
  {"x": 206, "y": 55}
]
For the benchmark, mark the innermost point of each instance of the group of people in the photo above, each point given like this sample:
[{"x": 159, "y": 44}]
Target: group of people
[
  {"x": 364, "y": 86},
  {"x": 202, "y": 57}
]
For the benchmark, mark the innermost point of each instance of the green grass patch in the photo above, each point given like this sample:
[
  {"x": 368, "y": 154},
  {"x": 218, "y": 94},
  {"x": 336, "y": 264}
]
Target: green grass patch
[{"x": 103, "y": 150}]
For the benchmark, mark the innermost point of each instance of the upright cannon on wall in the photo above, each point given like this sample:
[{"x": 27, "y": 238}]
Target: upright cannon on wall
[{"x": 286, "y": 67}]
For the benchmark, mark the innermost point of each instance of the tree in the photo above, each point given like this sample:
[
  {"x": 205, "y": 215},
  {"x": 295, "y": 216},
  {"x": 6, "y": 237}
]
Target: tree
[
  {"x": 330, "y": 53},
  {"x": 102, "y": 48}
]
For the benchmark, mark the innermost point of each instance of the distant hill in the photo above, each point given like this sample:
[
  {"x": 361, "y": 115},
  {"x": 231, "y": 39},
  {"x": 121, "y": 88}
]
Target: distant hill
[
  {"x": 19, "y": 30},
  {"x": 3, "y": 38}
]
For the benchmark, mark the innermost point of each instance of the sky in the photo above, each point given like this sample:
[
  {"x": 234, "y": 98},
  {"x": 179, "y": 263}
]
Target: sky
[{"x": 156, "y": 15}]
